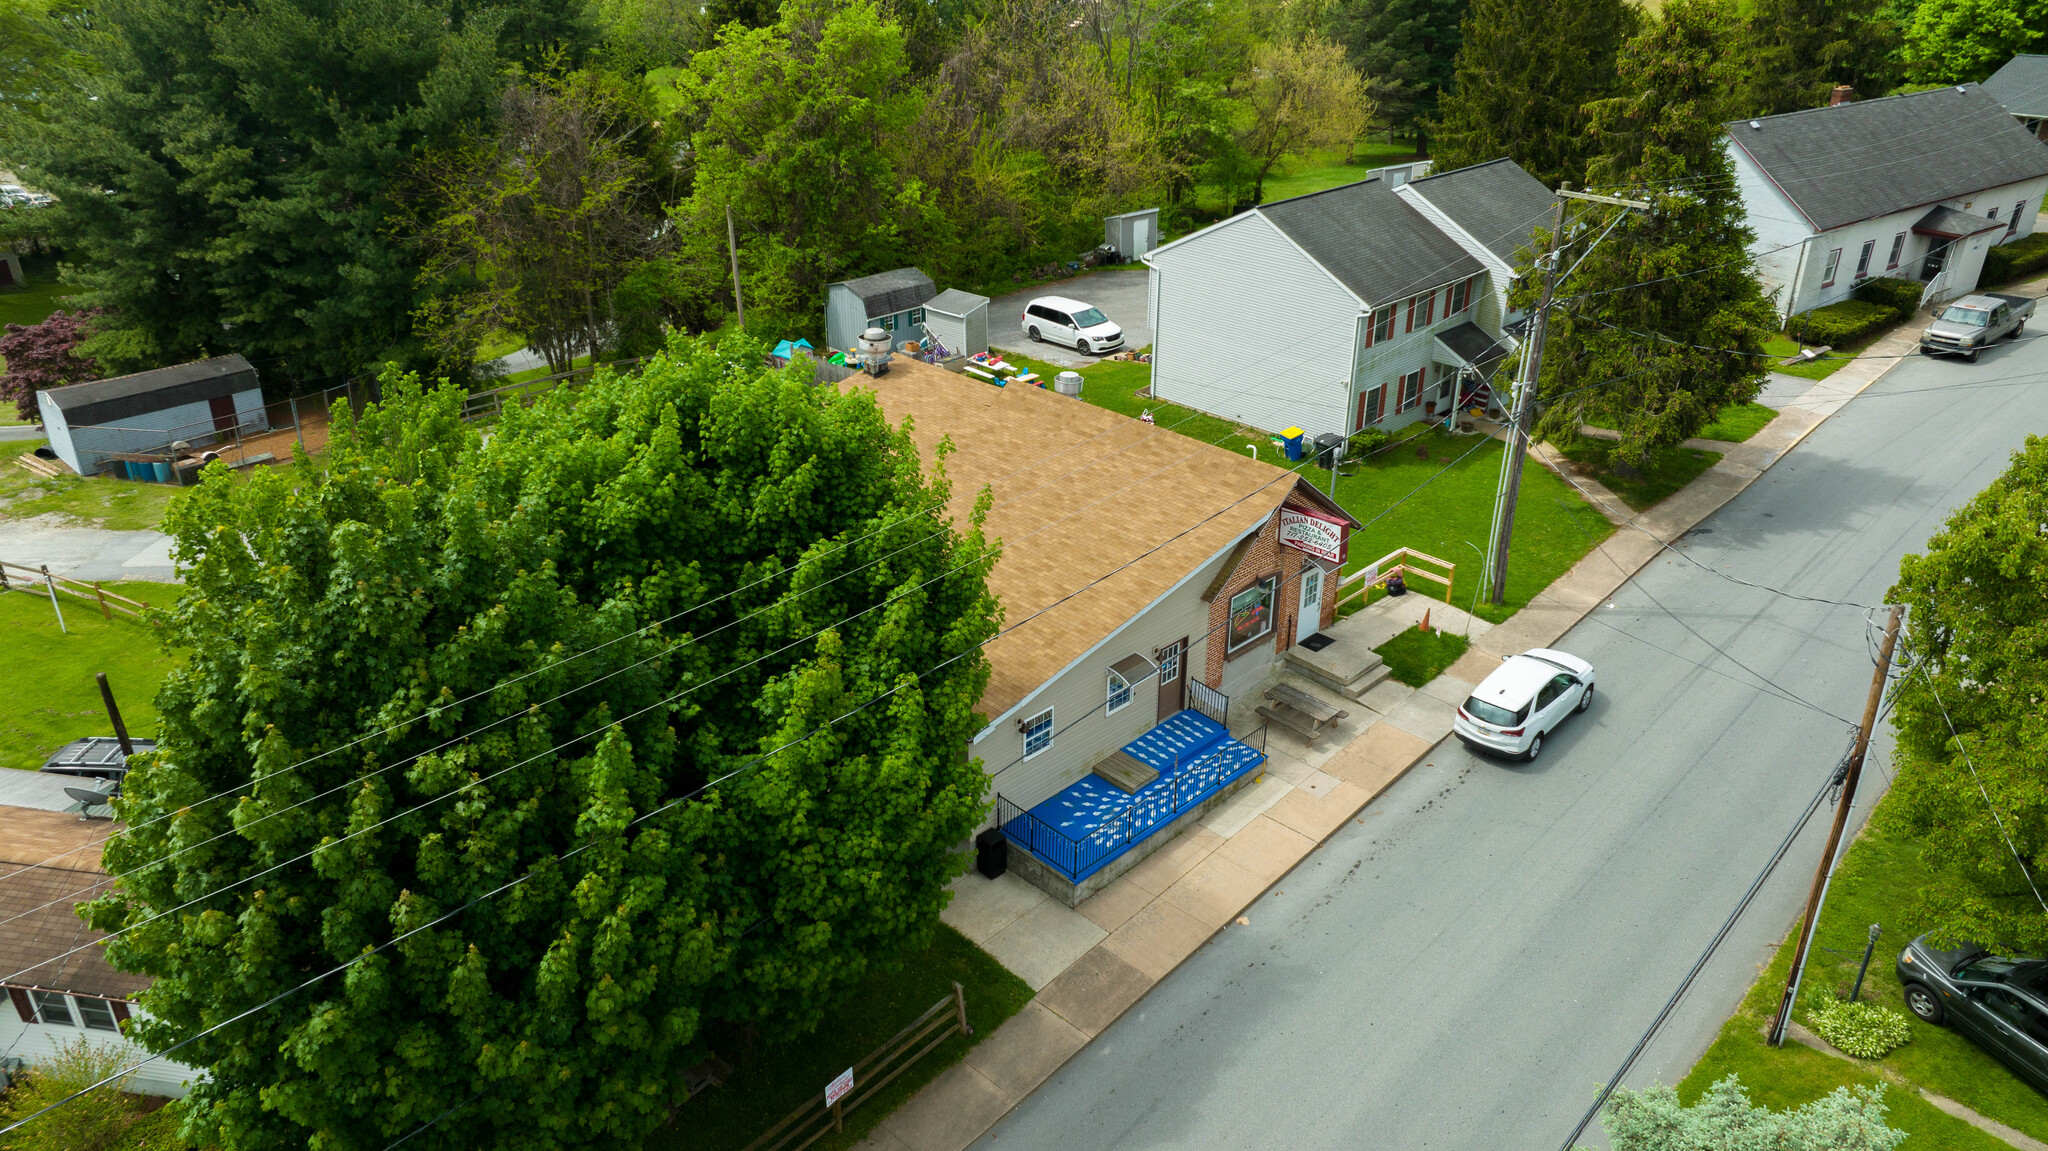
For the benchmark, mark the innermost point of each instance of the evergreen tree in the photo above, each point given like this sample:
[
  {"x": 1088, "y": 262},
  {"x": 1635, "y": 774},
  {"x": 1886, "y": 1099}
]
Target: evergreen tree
[
  {"x": 1792, "y": 53},
  {"x": 1526, "y": 70},
  {"x": 1972, "y": 735},
  {"x": 1407, "y": 51},
  {"x": 223, "y": 180},
  {"x": 441, "y": 665},
  {"x": 1666, "y": 301}
]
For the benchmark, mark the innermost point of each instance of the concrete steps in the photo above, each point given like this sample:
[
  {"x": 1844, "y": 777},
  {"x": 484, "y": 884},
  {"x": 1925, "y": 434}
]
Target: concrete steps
[{"x": 1346, "y": 666}]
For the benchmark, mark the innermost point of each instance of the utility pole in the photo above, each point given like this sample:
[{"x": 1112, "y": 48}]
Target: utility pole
[
  {"x": 1842, "y": 806},
  {"x": 732, "y": 247},
  {"x": 1529, "y": 379}
]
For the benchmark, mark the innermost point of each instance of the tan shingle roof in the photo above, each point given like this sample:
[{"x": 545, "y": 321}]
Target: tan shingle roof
[
  {"x": 42, "y": 933},
  {"x": 1079, "y": 492}
]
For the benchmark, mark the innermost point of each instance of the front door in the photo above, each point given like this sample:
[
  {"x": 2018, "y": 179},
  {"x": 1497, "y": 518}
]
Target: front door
[
  {"x": 1309, "y": 620},
  {"x": 1173, "y": 678},
  {"x": 222, "y": 408}
]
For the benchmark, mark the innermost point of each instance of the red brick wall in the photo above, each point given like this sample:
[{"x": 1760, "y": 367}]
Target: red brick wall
[{"x": 1264, "y": 558}]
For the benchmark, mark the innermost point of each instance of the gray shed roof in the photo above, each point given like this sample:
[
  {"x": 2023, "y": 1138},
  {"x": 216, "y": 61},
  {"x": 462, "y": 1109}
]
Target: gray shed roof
[
  {"x": 1374, "y": 242},
  {"x": 2021, "y": 85},
  {"x": 885, "y": 293},
  {"x": 1943, "y": 221},
  {"x": 106, "y": 401},
  {"x": 1497, "y": 203},
  {"x": 1868, "y": 158},
  {"x": 954, "y": 302}
]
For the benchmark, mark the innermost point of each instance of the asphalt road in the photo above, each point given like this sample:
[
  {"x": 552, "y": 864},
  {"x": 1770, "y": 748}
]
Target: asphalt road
[
  {"x": 1464, "y": 967},
  {"x": 1120, "y": 295}
]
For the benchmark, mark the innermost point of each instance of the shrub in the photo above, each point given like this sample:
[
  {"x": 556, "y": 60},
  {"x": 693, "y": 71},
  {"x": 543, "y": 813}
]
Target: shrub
[
  {"x": 1864, "y": 1030},
  {"x": 97, "y": 1121},
  {"x": 1725, "y": 1120},
  {"x": 1366, "y": 441},
  {"x": 2006, "y": 262},
  {"x": 1839, "y": 324},
  {"x": 1902, "y": 296}
]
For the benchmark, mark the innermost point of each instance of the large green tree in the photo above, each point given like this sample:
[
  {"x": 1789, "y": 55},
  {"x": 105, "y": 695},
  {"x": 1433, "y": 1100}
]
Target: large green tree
[
  {"x": 1665, "y": 305},
  {"x": 1972, "y": 751},
  {"x": 1954, "y": 41},
  {"x": 1407, "y": 50},
  {"x": 442, "y": 665},
  {"x": 1791, "y": 53},
  {"x": 223, "y": 177},
  {"x": 1526, "y": 69}
]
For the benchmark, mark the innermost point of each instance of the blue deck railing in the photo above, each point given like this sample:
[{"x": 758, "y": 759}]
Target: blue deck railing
[{"x": 1089, "y": 824}]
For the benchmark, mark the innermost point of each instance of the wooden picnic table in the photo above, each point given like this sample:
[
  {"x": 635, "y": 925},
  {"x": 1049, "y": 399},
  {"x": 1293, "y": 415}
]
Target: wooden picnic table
[{"x": 1300, "y": 712}]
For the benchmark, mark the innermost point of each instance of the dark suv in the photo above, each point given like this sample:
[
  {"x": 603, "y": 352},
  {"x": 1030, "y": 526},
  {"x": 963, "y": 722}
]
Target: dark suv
[{"x": 2001, "y": 1003}]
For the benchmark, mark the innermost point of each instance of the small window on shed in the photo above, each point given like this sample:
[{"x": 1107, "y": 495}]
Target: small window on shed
[{"x": 917, "y": 317}]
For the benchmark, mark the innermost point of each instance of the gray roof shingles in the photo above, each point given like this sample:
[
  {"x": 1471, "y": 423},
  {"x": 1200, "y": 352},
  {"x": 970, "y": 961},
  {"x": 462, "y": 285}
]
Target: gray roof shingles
[
  {"x": 886, "y": 293},
  {"x": 1371, "y": 240},
  {"x": 1497, "y": 203},
  {"x": 1869, "y": 158},
  {"x": 954, "y": 302},
  {"x": 2021, "y": 85}
]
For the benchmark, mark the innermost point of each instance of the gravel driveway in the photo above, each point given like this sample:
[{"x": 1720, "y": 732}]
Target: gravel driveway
[{"x": 1120, "y": 295}]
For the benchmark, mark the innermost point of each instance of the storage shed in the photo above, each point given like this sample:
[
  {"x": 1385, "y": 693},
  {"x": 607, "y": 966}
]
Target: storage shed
[
  {"x": 1132, "y": 234},
  {"x": 958, "y": 321},
  {"x": 148, "y": 411},
  {"x": 10, "y": 270},
  {"x": 892, "y": 301}
]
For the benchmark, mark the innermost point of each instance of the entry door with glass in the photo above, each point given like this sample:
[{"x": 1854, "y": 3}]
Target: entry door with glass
[
  {"x": 1173, "y": 678},
  {"x": 1309, "y": 620}
]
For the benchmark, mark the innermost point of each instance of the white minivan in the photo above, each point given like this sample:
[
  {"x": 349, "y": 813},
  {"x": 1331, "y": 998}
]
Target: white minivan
[{"x": 1080, "y": 326}]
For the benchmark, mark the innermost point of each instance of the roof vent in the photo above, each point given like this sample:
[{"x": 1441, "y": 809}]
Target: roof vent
[
  {"x": 1758, "y": 125},
  {"x": 1959, "y": 87}
]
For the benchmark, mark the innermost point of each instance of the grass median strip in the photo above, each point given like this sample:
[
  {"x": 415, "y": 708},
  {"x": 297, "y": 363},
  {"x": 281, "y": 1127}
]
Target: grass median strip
[
  {"x": 1644, "y": 488},
  {"x": 1415, "y": 656}
]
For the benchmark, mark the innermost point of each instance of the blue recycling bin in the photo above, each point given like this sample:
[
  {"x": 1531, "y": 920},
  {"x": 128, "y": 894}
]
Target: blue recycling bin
[
  {"x": 1291, "y": 439},
  {"x": 163, "y": 472}
]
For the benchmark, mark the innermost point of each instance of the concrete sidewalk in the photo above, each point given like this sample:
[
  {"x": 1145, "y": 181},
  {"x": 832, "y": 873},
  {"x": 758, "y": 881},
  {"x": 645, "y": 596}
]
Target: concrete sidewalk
[{"x": 1091, "y": 964}]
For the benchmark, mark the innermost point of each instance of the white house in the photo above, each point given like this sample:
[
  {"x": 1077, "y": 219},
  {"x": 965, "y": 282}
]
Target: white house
[
  {"x": 148, "y": 411},
  {"x": 2021, "y": 87},
  {"x": 1916, "y": 187},
  {"x": 1370, "y": 305},
  {"x": 58, "y": 982},
  {"x": 1145, "y": 580}
]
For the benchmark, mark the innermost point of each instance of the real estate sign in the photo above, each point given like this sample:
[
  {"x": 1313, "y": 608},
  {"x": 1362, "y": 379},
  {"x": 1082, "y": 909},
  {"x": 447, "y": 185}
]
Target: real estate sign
[
  {"x": 1316, "y": 533},
  {"x": 837, "y": 1089}
]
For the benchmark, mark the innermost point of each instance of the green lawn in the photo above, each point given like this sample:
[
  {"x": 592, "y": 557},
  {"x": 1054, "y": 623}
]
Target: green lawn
[
  {"x": 56, "y": 699},
  {"x": 1325, "y": 169},
  {"x": 1781, "y": 347},
  {"x": 123, "y": 505},
  {"x": 773, "y": 1080},
  {"x": 1674, "y": 468},
  {"x": 1874, "y": 884},
  {"x": 1738, "y": 422},
  {"x": 1415, "y": 656}
]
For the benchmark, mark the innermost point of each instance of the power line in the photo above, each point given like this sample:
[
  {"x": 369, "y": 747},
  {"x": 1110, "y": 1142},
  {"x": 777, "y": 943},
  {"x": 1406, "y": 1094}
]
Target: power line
[{"x": 1981, "y": 790}]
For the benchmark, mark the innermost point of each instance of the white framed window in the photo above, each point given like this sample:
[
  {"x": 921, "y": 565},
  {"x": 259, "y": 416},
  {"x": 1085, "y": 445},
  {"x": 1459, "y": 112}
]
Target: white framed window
[
  {"x": 1863, "y": 258},
  {"x": 1038, "y": 733},
  {"x": 1169, "y": 662},
  {"x": 53, "y": 1007},
  {"x": 1898, "y": 249},
  {"x": 1119, "y": 693},
  {"x": 886, "y": 323},
  {"x": 97, "y": 1014},
  {"x": 1993, "y": 213},
  {"x": 1834, "y": 262},
  {"x": 2019, "y": 210}
]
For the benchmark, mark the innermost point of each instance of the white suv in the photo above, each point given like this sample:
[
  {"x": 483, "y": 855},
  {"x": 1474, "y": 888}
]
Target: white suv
[
  {"x": 1523, "y": 700},
  {"x": 1080, "y": 326}
]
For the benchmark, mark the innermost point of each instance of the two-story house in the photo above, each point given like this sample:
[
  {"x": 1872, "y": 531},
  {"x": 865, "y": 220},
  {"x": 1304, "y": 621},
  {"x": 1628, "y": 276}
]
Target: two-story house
[
  {"x": 1914, "y": 187},
  {"x": 1374, "y": 304}
]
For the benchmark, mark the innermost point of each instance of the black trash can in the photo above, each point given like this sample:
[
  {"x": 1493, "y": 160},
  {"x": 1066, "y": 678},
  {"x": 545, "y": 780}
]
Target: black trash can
[
  {"x": 1329, "y": 450},
  {"x": 991, "y": 853}
]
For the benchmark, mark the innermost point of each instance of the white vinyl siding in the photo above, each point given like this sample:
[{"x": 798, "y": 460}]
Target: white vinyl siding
[
  {"x": 1247, "y": 327},
  {"x": 36, "y": 1042}
]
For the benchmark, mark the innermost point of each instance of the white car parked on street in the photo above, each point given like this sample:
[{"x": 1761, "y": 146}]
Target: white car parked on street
[
  {"x": 1523, "y": 701},
  {"x": 1080, "y": 326}
]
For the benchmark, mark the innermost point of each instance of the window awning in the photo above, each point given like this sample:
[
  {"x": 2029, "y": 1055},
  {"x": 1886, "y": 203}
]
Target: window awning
[
  {"x": 1951, "y": 224},
  {"x": 1469, "y": 344},
  {"x": 1133, "y": 668}
]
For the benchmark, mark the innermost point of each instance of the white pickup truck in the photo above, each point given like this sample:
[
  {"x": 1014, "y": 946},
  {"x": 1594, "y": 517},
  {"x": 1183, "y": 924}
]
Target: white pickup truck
[{"x": 1968, "y": 324}]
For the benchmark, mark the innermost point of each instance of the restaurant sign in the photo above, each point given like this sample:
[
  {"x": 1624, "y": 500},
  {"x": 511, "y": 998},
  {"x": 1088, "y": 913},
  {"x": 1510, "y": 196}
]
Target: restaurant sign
[{"x": 1317, "y": 533}]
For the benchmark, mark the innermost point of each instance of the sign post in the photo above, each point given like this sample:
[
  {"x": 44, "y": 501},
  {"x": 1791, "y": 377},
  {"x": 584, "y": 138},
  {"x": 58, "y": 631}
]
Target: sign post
[{"x": 834, "y": 1092}]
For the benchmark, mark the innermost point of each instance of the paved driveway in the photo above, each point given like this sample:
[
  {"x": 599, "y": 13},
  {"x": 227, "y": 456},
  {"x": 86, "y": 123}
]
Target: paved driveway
[
  {"x": 1120, "y": 295},
  {"x": 1461, "y": 969}
]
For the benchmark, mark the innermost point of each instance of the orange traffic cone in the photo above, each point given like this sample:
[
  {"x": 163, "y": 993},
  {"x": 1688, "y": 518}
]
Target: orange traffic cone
[{"x": 1424, "y": 625}]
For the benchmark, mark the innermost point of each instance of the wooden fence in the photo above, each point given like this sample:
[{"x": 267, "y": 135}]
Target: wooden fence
[
  {"x": 812, "y": 1121},
  {"x": 39, "y": 581},
  {"x": 1402, "y": 562}
]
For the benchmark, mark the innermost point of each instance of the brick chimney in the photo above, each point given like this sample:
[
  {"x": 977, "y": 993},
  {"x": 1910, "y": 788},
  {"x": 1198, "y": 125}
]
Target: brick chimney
[{"x": 1842, "y": 94}]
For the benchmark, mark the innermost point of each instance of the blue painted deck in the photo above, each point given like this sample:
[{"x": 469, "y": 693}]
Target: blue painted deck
[{"x": 1093, "y": 821}]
